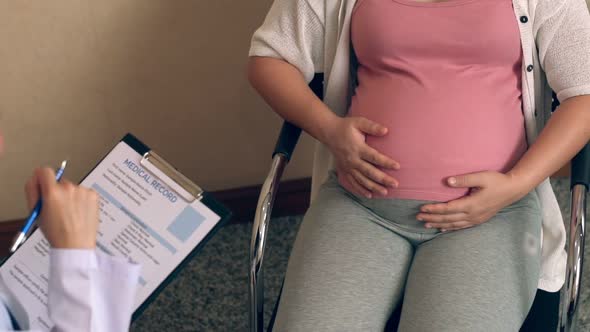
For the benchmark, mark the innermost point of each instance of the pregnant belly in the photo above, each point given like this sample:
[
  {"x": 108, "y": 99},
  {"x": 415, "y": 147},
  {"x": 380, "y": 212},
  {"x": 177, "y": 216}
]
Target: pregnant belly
[{"x": 436, "y": 138}]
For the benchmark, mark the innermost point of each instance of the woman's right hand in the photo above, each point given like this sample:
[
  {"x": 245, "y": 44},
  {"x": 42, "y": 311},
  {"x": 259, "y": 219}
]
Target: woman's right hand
[
  {"x": 283, "y": 87},
  {"x": 357, "y": 162}
]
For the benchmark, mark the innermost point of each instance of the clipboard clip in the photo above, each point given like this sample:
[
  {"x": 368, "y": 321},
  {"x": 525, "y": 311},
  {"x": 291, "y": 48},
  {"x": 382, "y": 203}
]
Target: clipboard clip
[{"x": 192, "y": 191}]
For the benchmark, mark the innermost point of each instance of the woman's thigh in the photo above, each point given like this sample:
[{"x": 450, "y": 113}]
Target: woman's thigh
[
  {"x": 345, "y": 273},
  {"x": 478, "y": 279}
]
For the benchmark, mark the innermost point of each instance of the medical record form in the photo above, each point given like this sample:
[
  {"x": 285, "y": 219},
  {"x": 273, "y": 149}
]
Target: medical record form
[{"x": 149, "y": 213}]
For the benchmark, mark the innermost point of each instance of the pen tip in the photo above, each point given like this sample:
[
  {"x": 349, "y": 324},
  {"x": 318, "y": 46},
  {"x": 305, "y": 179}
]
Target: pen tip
[{"x": 64, "y": 163}]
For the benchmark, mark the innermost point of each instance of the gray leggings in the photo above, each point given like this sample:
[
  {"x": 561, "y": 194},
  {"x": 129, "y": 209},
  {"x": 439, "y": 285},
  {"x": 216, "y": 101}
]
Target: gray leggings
[{"x": 354, "y": 259}]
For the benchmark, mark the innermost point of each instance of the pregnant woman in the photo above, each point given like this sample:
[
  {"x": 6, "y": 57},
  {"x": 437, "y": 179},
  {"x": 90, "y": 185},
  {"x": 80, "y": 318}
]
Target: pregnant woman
[{"x": 435, "y": 146}]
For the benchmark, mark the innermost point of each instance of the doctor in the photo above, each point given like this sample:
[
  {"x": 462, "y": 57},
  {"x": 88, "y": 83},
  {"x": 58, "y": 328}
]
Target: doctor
[{"x": 88, "y": 290}]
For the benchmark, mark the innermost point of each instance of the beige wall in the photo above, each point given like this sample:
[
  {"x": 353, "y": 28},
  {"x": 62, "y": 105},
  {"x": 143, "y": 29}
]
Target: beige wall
[{"x": 77, "y": 75}]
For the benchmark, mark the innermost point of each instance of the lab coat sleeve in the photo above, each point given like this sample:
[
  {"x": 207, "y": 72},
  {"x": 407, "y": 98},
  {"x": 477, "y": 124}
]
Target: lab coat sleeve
[
  {"x": 5, "y": 321},
  {"x": 90, "y": 291}
]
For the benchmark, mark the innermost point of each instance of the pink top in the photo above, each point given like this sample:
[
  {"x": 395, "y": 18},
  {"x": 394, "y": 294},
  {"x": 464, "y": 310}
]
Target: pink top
[{"x": 446, "y": 86}]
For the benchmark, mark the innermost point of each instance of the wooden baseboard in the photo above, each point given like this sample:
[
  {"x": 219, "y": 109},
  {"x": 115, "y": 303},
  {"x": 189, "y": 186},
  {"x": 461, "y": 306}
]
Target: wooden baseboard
[{"x": 292, "y": 199}]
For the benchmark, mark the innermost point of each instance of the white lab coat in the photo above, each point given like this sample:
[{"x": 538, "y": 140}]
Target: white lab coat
[{"x": 88, "y": 291}]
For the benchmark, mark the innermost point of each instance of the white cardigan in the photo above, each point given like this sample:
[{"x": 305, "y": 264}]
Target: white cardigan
[{"x": 314, "y": 36}]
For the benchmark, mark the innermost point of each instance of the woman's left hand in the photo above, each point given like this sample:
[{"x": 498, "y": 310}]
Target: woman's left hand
[{"x": 490, "y": 192}]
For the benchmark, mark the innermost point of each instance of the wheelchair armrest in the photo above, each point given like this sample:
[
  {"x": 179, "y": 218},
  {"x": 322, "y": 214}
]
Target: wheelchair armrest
[
  {"x": 289, "y": 132},
  {"x": 258, "y": 240},
  {"x": 281, "y": 156},
  {"x": 570, "y": 292},
  {"x": 581, "y": 167},
  {"x": 287, "y": 140}
]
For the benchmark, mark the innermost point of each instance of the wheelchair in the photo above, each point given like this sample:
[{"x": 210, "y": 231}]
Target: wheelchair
[{"x": 542, "y": 314}]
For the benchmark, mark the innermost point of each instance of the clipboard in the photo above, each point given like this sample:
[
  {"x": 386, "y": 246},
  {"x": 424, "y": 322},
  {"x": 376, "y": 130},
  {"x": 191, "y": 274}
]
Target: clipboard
[
  {"x": 172, "y": 186},
  {"x": 151, "y": 157}
]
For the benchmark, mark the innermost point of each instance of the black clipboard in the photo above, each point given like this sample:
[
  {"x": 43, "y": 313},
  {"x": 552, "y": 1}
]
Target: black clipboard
[
  {"x": 205, "y": 198},
  {"x": 149, "y": 156}
]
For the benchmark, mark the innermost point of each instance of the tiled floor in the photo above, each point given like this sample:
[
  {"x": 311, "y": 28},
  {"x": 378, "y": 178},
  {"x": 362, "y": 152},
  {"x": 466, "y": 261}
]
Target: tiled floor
[{"x": 211, "y": 294}]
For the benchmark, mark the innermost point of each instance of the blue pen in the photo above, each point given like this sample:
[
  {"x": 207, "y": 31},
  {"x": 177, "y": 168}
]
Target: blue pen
[{"x": 22, "y": 236}]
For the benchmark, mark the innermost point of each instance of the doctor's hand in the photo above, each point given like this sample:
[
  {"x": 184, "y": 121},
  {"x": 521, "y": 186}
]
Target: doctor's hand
[
  {"x": 490, "y": 192},
  {"x": 357, "y": 161},
  {"x": 69, "y": 217}
]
